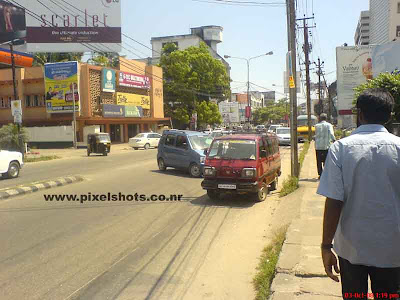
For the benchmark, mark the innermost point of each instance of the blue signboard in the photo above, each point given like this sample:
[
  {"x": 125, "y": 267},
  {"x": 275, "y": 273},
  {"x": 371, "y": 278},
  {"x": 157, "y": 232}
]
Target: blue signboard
[
  {"x": 108, "y": 80},
  {"x": 113, "y": 111}
]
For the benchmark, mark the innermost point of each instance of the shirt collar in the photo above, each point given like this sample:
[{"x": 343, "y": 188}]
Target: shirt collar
[{"x": 370, "y": 128}]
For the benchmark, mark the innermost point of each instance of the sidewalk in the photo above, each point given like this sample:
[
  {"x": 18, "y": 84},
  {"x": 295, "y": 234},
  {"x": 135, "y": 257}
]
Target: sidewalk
[
  {"x": 71, "y": 152},
  {"x": 300, "y": 273}
]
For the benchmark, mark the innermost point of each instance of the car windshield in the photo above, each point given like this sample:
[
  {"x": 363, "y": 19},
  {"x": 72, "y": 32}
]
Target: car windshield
[
  {"x": 282, "y": 131},
  {"x": 233, "y": 149},
  {"x": 103, "y": 138},
  {"x": 140, "y": 136},
  {"x": 200, "y": 142}
]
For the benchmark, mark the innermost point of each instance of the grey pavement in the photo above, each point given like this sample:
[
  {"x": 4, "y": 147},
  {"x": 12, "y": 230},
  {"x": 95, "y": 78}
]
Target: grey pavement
[{"x": 300, "y": 273}]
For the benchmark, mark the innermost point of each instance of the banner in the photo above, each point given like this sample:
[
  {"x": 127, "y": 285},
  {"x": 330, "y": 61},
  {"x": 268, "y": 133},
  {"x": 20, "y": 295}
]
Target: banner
[
  {"x": 76, "y": 26},
  {"x": 133, "y": 112},
  {"x": 12, "y": 22},
  {"x": 61, "y": 79},
  {"x": 133, "y": 80},
  {"x": 133, "y": 100},
  {"x": 229, "y": 112},
  {"x": 354, "y": 67},
  {"x": 113, "y": 111},
  {"x": 108, "y": 80},
  {"x": 386, "y": 58}
]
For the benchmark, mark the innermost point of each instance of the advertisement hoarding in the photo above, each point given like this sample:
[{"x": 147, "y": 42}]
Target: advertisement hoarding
[
  {"x": 133, "y": 112},
  {"x": 113, "y": 111},
  {"x": 61, "y": 80},
  {"x": 133, "y": 100},
  {"x": 12, "y": 22},
  {"x": 82, "y": 26},
  {"x": 134, "y": 80},
  {"x": 108, "y": 80},
  {"x": 229, "y": 112},
  {"x": 386, "y": 58},
  {"x": 354, "y": 67}
]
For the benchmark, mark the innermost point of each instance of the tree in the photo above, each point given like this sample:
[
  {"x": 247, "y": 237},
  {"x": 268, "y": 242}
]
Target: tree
[
  {"x": 110, "y": 60},
  {"x": 274, "y": 112},
  {"x": 42, "y": 58},
  {"x": 9, "y": 138},
  {"x": 208, "y": 113},
  {"x": 387, "y": 81},
  {"x": 191, "y": 76}
]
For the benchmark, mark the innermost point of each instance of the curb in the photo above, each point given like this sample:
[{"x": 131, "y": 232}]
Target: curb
[{"x": 31, "y": 188}]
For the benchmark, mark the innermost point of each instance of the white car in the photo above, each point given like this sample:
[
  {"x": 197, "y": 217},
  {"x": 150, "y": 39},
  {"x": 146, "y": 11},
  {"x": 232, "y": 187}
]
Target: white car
[
  {"x": 145, "y": 140},
  {"x": 272, "y": 128},
  {"x": 11, "y": 163},
  {"x": 283, "y": 134}
]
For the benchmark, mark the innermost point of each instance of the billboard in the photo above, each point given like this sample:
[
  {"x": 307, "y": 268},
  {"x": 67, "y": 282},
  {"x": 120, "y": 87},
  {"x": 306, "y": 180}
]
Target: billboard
[
  {"x": 386, "y": 58},
  {"x": 113, "y": 111},
  {"x": 229, "y": 112},
  {"x": 12, "y": 22},
  {"x": 133, "y": 100},
  {"x": 133, "y": 112},
  {"x": 354, "y": 67},
  {"x": 61, "y": 80},
  {"x": 80, "y": 26},
  {"x": 134, "y": 80},
  {"x": 108, "y": 80}
]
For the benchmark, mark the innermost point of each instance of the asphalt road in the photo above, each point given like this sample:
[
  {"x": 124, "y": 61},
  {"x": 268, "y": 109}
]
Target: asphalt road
[{"x": 117, "y": 250}]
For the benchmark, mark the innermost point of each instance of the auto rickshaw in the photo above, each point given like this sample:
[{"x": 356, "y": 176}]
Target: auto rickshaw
[{"x": 99, "y": 143}]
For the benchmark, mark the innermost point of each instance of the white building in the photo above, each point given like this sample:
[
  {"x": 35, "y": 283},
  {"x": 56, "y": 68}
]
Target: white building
[
  {"x": 384, "y": 21},
  {"x": 211, "y": 35},
  {"x": 362, "y": 35}
]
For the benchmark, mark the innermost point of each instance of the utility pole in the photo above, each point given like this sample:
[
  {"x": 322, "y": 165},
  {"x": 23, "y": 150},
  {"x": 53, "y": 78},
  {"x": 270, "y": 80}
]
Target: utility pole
[
  {"x": 291, "y": 17},
  {"x": 319, "y": 73},
  {"x": 306, "y": 49},
  {"x": 329, "y": 100}
]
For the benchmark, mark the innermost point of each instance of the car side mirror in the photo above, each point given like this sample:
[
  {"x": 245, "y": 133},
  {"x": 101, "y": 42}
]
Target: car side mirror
[
  {"x": 205, "y": 152},
  {"x": 263, "y": 153}
]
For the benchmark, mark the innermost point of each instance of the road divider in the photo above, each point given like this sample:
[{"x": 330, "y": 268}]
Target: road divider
[{"x": 35, "y": 187}]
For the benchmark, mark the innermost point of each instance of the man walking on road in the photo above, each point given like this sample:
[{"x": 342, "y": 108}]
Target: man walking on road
[
  {"x": 361, "y": 181},
  {"x": 324, "y": 136}
]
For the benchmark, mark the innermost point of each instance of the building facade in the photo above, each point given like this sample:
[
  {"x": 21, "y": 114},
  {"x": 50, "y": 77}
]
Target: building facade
[
  {"x": 384, "y": 21},
  {"x": 362, "y": 35},
  {"x": 97, "y": 107}
]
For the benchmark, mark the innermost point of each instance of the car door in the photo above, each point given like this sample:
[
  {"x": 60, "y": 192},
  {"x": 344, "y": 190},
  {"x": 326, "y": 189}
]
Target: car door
[
  {"x": 263, "y": 157},
  {"x": 4, "y": 161},
  {"x": 155, "y": 139},
  {"x": 169, "y": 149},
  {"x": 182, "y": 151}
]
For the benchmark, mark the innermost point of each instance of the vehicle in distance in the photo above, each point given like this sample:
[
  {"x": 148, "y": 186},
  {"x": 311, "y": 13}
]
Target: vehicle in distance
[
  {"x": 272, "y": 128},
  {"x": 145, "y": 140},
  {"x": 302, "y": 127},
  {"x": 283, "y": 134},
  {"x": 98, "y": 143},
  {"x": 243, "y": 163},
  {"x": 260, "y": 128},
  {"x": 183, "y": 149},
  {"x": 11, "y": 163}
]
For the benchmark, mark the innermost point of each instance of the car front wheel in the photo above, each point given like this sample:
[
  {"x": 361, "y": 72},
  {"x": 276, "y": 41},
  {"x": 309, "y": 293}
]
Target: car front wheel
[
  {"x": 262, "y": 193},
  {"x": 161, "y": 165},
  {"x": 13, "y": 170}
]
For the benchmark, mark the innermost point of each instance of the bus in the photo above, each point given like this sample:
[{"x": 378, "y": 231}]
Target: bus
[{"x": 302, "y": 126}]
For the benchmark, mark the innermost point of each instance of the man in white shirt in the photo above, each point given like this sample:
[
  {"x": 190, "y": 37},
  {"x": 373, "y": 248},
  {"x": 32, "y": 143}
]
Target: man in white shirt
[
  {"x": 324, "y": 136},
  {"x": 361, "y": 181}
]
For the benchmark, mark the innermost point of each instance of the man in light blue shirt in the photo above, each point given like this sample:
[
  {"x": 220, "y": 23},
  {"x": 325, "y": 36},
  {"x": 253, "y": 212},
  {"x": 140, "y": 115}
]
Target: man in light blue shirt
[
  {"x": 324, "y": 136},
  {"x": 361, "y": 181}
]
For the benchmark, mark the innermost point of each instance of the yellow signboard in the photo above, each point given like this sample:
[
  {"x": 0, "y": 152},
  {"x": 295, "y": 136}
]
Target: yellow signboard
[
  {"x": 292, "y": 85},
  {"x": 133, "y": 100}
]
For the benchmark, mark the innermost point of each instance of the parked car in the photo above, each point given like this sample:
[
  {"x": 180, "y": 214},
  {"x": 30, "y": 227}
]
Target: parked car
[
  {"x": 260, "y": 128},
  {"x": 145, "y": 140},
  {"x": 182, "y": 149},
  {"x": 11, "y": 163},
  {"x": 283, "y": 134},
  {"x": 272, "y": 128},
  {"x": 98, "y": 143},
  {"x": 246, "y": 163}
]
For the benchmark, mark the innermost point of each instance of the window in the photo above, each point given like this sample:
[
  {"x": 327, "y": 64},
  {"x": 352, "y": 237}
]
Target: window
[
  {"x": 34, "y": 101},
  {"x": 181, "y": 142},
  {"x": 28, "y": 101},
  {"x": 261, "y": 147},
  {"x": 398, "y": 31},
  {"x": 5, "y": 102},
  {"x": 170, "y": 140}
]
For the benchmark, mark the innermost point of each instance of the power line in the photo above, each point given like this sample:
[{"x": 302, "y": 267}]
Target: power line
[{"x": 243, "y": 3}]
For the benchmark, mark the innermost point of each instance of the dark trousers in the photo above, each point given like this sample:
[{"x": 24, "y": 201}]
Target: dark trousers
[
  {"x": 385, "y": 282},
  {"x": 321, "y": 157}
]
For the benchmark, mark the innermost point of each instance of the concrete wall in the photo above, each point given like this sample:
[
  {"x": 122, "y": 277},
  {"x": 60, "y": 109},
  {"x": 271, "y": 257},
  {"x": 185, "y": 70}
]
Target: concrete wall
[
  {"x": 50, "y": 134},
  {"x": 156, "y": 91},
  {"x": 394, "y": 20},
  {"x": 184, "y": 42}
]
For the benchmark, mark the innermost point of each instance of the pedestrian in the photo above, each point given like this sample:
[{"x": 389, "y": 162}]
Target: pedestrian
[
  {"x": 324, "y": 136},
  {"x": 361, "y": 183}
]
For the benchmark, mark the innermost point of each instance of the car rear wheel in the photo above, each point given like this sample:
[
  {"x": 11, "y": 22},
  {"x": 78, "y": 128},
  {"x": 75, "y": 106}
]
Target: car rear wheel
[
  {"x": 105, "y": 153},
  {"x": 213, "y": 194},
  {"x": 161, "y": 165},
  {"x": 195, "y": 170},
  {"x": 88, "y": 152},
  {"x": 262, "y": 193},
  {"x": 147, "y": 146},
  {"x": 13, "y": 170},
  {"x": 136, "y": 148},
  {"x": 274, "y": 184}
]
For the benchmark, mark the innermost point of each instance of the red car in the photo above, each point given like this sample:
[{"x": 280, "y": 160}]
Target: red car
[{"x": 246, "y": 163}]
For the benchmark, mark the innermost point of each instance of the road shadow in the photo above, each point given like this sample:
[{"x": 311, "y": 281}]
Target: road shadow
[
  {"x": 225, "y": 200},
  {"x": 174, "y": 172}
]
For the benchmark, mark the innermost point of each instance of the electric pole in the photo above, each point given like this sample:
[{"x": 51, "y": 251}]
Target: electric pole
[
  {"x": 329, "y": 100},
  {"x": 306, "y": 49},
  {"x": 291, "y": 18},
  {"x": 319, "y": 73}
]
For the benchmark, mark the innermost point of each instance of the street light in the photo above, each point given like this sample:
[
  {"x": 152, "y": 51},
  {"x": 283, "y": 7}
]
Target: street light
[{"x": 248, "y": 74}]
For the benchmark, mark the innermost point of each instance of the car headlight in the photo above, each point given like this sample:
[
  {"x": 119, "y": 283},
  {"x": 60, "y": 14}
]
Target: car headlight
[
  {"x": 209, "y": 171},
  {"x": 249, "y": 172},
  {"x": 202, "y": 159}
]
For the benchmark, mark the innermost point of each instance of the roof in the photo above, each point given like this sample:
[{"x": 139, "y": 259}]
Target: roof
[
  {"x": 187, "y": 132},
  {"x": 240, "y": 137}
]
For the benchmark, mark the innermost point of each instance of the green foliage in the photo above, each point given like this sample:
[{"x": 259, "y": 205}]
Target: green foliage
[
  {"x": 9, "y": 137},
  {"x": 289, "y": 185},
  {"x": 191, "y": 76},
  {"x": 110, "y": 60},
  {"x": 41, "y": 158},
  {"x": 267, "y": 265},
  {"x": 274, "y": 112},
  {"x": 42, "y": 58},
  {"x": 303, "y": 153},
  {"x": 388, "y": 81},
  {"x": 208, "y": 113}
]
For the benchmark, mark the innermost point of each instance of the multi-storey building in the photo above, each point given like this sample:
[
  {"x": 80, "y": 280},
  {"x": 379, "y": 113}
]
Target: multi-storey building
[
  {"x": 384, "y": 21},
  {"x": 362, "y": 35}
]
